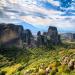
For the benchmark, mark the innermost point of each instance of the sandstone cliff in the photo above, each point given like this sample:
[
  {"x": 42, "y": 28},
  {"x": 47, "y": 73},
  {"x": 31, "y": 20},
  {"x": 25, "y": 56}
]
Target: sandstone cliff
[{"x": 10, "y": 34}]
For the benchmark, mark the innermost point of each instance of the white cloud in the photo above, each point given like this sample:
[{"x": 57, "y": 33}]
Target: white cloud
[
  {"x": 26, "y": 9},
  {"x": 54, "y": 2}
]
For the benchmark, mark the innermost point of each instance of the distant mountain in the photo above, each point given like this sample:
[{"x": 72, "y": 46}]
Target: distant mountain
[{"x": 68, "y": 36}]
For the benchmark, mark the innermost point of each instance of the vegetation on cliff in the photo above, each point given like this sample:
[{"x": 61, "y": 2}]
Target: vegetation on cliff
[
  {"x": 57, "y": 60},
  {"x": 23, "y": 54}
]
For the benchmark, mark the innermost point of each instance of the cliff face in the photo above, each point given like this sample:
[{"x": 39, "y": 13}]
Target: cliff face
[
  {"x": 49, "y": 37},
  {"x": 10, "y": 34},
  {"x": 27, "y": 36},
  {"x": 68, "y": 37},
  {"x": 53, "y": 34}
]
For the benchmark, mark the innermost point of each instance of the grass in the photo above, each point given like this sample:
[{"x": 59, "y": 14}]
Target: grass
[
  {"x": 34, "y": 61},
  {"x": 11, "y": 69}
]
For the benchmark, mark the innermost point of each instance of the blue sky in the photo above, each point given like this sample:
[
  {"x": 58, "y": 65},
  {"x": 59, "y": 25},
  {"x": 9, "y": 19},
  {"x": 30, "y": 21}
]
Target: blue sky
[{"x": 40, "y": 13}]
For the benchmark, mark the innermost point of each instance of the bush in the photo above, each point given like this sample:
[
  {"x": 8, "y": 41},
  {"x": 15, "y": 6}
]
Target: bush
[
  {"x": 2, "y": 72},
  {"x": 41, "y": 72},
  {"x": 17, "y": 73},
  {"x": 53, "y": 72},
  {"x": 54, "y": 64},
  {"x": 64, "y": 68},
  {"x": 20, "y": 68}
]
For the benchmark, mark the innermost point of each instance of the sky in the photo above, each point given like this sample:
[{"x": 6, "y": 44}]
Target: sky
[{"x": 39, "y": 13}]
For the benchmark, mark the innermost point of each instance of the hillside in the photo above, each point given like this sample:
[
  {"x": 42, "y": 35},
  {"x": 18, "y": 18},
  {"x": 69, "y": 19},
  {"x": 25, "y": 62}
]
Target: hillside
[
  {"x": 58, "y": 60},
  {"x": 21, "y": 53},
  {"x": 37, "y": 37}
]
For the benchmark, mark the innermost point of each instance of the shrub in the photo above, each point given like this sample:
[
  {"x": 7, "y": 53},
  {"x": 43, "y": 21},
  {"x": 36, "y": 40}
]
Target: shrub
[
  {"x": 2, "y": 72},
  {"x": 66, "y": 69},
  {"x": 20, "y": 68},
  {"x": 63, "y": 68},
  {"x": 53, "y": 72},
  {"x": 17, "y": 73},
  {"x": 41, "y": 72},
  {"x": 54, "y": 64}
]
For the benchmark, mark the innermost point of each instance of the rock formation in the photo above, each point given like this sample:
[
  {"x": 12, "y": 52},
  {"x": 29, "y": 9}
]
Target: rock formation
[
  {"x": 53, "y": 35},
  {"x": 39, "y": 38},
  {"x": 10, "y": 34},
  {"x": 68, "y": 36},
  {"x": 48, "y": 38},
  {"x": 27, "y": 37},
  {"x": 14, "y": 35}
]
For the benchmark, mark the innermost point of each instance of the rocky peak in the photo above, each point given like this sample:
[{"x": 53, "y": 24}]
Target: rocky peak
[
  {"x": 52, "y": 30},
  {"x": 10, "y": 34}
]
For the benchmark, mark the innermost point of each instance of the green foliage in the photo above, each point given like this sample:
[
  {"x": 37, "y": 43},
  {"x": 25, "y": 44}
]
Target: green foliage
[
  {"x": 36, "y": 60},
  {"x": 41, "y": 72},
  {"x": 2, "y": 72}
]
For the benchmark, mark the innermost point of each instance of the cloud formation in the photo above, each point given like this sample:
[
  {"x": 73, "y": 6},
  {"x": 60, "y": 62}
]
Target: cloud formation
[{"x": 39, "y": 13}]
